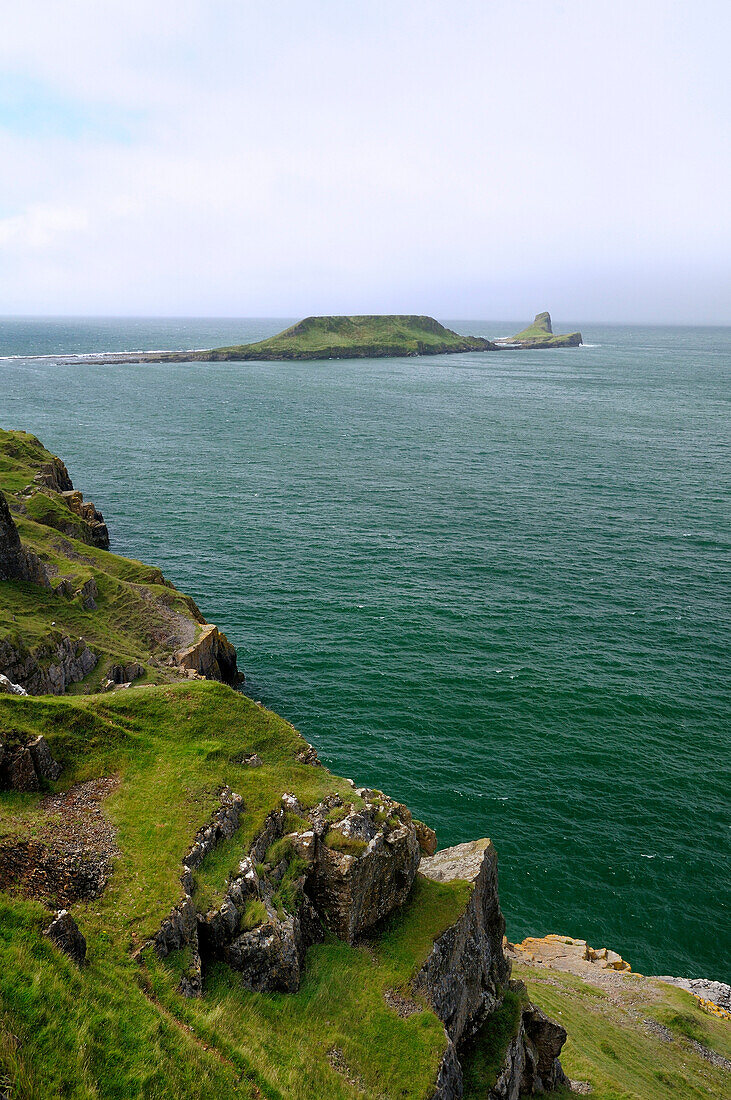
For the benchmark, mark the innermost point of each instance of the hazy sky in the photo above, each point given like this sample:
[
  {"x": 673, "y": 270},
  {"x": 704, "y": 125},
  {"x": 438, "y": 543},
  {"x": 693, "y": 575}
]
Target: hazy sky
[{"x": 469, "y": 158}]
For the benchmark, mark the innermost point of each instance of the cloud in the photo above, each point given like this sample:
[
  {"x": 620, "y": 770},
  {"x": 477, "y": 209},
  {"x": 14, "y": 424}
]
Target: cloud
[
  {"x": 42, "y": 227},
  {"x": 240, "y": 157}
]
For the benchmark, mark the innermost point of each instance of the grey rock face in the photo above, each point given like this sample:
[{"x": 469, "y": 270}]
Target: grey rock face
[
  {"x": 17, "y": 563},
  {"x": 353, "y": 887},
  {"x": 531, "y": 1066},
  {"x": 7, "y": 687},
  {"x": 23, "y": 763},
  {"x": 717, "y": 992},
  {"x": 466, "y": 971},
  {"x": 269, "y": 957},
  {"x": 49, "y": 668},
  {"x": 46, "y": 767},
  {"x": 64, "y": 932},
  {"x": 12, "y": 559},
  {"x": 465, "y": 978}
]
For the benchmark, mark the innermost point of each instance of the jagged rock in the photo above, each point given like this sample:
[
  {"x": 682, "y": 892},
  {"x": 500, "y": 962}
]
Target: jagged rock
[
  {"x": 269, "y": 958},
  {"x": 98, "y": 533},
  {"x": 18, "y": 771},
  {"x": 353, "y": 889},
  {"x": 426, "y": 837},
  {"x": 544, "y": 1040},
  {"x": 191, "y": 981},
  {"x": 12, "y": 559},
  {"x": 64, "y": 932},
  {"x": 465, "y": 977},
  {"x": 7, "y": 687},
  {"x": 54, "y": 475},
  {"x": 223, "y": 825},
  {"x": 17, "y": 563},
  {"x": 449, "y": 1078},
  {"x": 46, "y": 767},
  {"x": 308, "y": 756},
  {"x": 125, "y": 674},
  {"x": 466, "y": 971},
  {"x": 50, "y": 667},
  {"x": 211, "y": 656},
  {"x": 178, "y": 930},
  {"x": 253, "y": 760},
  {"x": 88, "y": 594}
]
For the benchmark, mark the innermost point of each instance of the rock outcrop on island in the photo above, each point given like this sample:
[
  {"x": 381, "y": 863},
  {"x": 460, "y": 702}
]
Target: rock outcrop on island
[{"x": 540, "y": 335}]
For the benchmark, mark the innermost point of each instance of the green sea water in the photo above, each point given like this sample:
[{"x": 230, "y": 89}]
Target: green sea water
[{"x": 495, "y": 585}]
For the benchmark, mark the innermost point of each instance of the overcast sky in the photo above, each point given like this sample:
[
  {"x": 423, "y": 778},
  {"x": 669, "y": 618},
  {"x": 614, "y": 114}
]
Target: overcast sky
[{"x": 463, "y": 158}]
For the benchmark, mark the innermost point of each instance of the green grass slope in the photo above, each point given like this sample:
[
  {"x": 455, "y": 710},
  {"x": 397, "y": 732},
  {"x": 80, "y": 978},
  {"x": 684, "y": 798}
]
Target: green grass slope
[
  {"x": 357, "y": 337},
  {"x": 118, "y": 1028},
  {"x": 367, "y": 337},
  {"x": 140, "y": 617},
  {"x": 637, "y": 1040}
]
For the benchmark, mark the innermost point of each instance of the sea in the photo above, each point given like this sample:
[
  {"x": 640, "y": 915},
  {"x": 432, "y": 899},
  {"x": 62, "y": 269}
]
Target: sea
[{"x": 494, "y": 585}]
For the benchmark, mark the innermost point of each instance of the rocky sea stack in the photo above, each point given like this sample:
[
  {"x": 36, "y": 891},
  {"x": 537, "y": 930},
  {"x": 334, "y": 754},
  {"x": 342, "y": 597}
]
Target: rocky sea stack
[{"x": 540, "y": 335}]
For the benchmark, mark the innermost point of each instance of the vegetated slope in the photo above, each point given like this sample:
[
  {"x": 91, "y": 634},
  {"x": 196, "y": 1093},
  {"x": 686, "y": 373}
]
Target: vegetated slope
[
  {"x": 635, "y": 1038},
  {"x": 94, "y": 614},
  {"x": 359, "y": 337},
  {"x": 540, "y": 335},
  {"x": 367, "y": 337},
  {"x": 121, "y": 1029}
]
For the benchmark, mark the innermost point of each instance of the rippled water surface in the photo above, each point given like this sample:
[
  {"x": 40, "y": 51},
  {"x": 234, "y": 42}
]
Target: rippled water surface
[{"x": 494, "y": 585}]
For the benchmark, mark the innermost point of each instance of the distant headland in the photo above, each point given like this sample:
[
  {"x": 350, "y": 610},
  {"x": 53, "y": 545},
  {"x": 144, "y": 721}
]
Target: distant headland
[{"x": 367, "y": 337}]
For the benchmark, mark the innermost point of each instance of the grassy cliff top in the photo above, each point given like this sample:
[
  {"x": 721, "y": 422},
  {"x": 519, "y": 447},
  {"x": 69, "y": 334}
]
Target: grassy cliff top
[{"x": 153, "y": 760}]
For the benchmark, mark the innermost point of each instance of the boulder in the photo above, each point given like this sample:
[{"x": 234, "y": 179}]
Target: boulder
[
  {"x": 46, "y": 767},
  {"x": 64, "y": 932},
  {"x": 269, "y": 958},
  {"x": 7, "y": 687},
  {"x": 211, "y": 656},
  {"x": 364, "y": 866},
  {"x": 426, "y": 837}
]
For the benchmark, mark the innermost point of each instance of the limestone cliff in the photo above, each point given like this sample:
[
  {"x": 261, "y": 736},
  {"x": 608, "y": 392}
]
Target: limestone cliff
[{"x": 466, "y": 977}]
